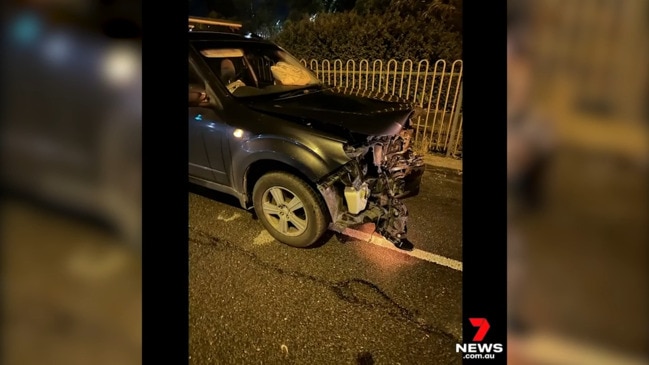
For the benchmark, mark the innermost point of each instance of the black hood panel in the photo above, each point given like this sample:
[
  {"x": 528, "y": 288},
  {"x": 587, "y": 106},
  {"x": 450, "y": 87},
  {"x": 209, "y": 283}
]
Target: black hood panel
[{"x": 345, "y": 112}]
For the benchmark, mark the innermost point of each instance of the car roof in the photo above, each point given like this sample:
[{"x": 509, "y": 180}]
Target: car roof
[
  {"x": 194, "y": 20},
  {"x": 222, "y": 36}
]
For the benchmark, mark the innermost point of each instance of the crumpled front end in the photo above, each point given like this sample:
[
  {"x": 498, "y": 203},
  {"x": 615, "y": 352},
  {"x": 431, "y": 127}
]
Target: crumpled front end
[{"x": 369, "y": 189}]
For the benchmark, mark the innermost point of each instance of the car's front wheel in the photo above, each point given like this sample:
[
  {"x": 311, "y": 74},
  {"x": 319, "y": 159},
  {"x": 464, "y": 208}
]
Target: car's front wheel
[{"x": 290, "y": 210}]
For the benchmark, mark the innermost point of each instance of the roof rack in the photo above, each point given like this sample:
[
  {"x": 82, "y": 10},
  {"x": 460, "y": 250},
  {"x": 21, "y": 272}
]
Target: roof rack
[{"x": 198, "y": 22}]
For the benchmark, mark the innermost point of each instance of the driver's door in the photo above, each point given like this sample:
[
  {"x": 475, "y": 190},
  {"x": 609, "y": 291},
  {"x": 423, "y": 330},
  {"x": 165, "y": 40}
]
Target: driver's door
[{"x": 206, "y": 132}]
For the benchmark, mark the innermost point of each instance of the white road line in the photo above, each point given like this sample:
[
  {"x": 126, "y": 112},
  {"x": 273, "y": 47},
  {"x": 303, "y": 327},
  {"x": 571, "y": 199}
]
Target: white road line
[
  {"x": 437, "y": 259},
  {"x": 422, "y": 255}
]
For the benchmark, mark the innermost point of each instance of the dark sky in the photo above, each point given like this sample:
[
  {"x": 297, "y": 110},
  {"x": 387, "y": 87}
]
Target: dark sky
[
  {"x": 198, "y": 8},
  {"x": 202, "y": 8}
]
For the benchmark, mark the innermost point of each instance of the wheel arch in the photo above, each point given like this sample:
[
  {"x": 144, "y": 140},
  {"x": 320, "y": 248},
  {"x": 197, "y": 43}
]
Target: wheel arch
[
  {"x": 260, "y": 167},
  {"x": 264, "y": 154}
]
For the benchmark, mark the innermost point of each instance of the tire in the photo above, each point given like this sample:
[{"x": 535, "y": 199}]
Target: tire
[{"x": 274, "y": 197}]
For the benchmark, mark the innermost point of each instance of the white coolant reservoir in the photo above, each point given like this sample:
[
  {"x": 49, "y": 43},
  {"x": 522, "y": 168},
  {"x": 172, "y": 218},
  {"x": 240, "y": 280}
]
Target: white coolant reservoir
[{"x": 356, "y": 199}]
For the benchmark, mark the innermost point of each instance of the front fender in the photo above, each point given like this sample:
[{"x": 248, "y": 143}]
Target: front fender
[{"x": 313, "y": 162}]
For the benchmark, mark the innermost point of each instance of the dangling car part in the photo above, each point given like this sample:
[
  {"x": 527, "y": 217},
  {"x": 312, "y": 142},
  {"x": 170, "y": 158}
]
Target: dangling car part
[{"x": 382, "y": 171}]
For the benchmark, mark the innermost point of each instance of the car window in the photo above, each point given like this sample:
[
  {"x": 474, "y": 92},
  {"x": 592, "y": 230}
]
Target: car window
[{"x": 256, "y": 69}]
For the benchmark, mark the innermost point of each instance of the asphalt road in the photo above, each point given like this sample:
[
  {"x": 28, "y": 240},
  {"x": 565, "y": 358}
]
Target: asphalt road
[{"x": 254, "y": 300}]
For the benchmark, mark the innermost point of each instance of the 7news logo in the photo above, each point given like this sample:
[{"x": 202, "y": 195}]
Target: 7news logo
[{"x": 478, "y": 349}]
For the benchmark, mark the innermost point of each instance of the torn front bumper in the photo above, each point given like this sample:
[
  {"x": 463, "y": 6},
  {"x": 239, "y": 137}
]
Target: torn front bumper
[{"x": 398, "y": 178}]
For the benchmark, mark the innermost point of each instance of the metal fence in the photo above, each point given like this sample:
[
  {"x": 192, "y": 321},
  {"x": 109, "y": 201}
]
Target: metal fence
[{"x": 435, "y": 90}]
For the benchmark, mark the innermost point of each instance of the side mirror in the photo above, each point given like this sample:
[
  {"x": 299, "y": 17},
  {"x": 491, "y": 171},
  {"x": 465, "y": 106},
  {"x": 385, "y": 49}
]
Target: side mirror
[{"x": 198, "y": 95}]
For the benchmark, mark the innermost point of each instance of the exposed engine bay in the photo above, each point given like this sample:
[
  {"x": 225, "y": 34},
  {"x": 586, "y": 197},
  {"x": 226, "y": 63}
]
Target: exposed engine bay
[{"x": 382, "y": 171}]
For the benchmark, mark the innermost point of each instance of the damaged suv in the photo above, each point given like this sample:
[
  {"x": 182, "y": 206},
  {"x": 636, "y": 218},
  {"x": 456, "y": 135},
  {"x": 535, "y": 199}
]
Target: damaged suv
[{"x": 306, "y": 157}]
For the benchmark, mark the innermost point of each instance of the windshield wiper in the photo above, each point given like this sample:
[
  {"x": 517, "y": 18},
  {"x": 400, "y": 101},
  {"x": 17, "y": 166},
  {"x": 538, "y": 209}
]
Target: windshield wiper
[{"x": 301, "y": 91}]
